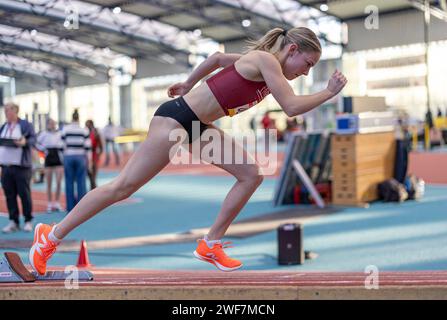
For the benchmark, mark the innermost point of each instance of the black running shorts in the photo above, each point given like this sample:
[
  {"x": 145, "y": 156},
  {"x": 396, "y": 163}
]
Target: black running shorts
[{"x": 179, "y": 110}]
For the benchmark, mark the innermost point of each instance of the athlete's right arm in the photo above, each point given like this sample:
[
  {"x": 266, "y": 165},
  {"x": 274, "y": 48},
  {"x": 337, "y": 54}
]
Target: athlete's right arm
[
  {"x": 213, "y": 62},
  {"x": 281, "y": 90}
]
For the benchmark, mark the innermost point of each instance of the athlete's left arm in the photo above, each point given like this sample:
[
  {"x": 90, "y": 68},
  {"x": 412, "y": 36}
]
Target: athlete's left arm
[
  {"x": 213, "y": 62},
  {"x": 227, "y": 59},
  {"x": 281, "y": 90}
]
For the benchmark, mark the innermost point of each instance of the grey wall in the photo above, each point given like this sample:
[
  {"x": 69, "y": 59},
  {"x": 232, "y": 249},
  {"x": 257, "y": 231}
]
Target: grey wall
[
  {"x": 34, "y": 85},
  {"x": 235, "y": 46},
  {"x": 151, "y": 68},
  {"x": 402, "y": 28},
  {"x": 23, "y": 86},
  {"x": 145, "y": 68},
  {"x": 394, "y": 29},
  {"x": 76, "y": 80}
]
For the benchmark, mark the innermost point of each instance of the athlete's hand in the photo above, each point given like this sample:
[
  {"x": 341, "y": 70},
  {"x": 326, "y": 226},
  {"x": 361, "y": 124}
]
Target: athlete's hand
[
  {"x": 336, "y": 82},
  {"x": 179, "y": 89}
]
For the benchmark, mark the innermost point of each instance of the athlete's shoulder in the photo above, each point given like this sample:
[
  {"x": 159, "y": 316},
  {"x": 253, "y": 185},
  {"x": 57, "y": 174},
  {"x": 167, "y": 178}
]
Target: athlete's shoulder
[
  {"x": 261, "y": 58},
  {"x": 259, "y": 54}
]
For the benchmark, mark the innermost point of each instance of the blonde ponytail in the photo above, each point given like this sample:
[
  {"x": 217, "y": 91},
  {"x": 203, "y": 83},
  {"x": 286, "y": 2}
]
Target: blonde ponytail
[{"x": 276, "y": 39}]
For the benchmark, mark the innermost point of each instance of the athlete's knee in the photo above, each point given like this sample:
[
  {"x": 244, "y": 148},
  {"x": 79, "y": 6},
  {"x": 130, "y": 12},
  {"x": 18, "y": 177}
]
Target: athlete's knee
[
  {"x": 252, "y": 174},
  {"x": 257, "y": 180},
  {"x": 123, "y": 189},
  {"x": 257, "y": 177}
]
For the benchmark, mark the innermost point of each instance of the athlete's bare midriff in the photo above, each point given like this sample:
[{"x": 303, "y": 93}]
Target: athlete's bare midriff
[{"x": 202, "y": 101}]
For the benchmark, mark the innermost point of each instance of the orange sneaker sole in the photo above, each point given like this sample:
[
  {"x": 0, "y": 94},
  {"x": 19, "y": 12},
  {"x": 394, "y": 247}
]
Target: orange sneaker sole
[{"x": 215, "y": 263}]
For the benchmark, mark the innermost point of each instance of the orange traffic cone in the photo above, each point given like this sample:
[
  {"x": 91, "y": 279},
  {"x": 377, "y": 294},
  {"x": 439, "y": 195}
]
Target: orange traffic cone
[{"x": 83, "y": 261}]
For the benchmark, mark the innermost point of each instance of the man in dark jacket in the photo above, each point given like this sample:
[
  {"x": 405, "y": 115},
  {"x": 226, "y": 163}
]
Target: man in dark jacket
[{"x": 18, "y": 138}]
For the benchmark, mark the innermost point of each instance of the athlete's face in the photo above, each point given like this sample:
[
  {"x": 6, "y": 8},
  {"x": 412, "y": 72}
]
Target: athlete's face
[{"x": 299, "y": 62}]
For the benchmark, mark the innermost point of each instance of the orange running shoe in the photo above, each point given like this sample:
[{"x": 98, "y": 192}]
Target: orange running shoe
[
  {"x": 216, "y": 255},
  {"x": 42, "y": 248}
]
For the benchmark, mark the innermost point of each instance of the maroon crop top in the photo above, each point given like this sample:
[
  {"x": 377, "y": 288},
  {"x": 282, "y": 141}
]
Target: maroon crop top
[{"x": 235, "y": 93}]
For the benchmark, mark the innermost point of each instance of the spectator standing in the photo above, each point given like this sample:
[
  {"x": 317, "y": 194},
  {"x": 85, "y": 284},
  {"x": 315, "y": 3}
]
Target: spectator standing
[
  {"x": 76, "y": 149},
  {"x": 266, "y": 121},
  {"x": 253, "y": 124},
  {"x": 96, "y": 144},
  {"x": 16, "y": 163},
  {"x": 50, "y": 142},
  {"x": 110, "y": 132},
  {"x": 291, "y": 127}
]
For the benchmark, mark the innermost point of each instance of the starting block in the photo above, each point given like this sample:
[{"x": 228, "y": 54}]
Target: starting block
[{"x": 12, "y": 269}]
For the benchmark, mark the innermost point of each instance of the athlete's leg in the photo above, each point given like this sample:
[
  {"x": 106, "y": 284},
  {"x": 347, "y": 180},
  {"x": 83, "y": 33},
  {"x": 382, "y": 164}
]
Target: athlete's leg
[
  {"x": 248, "y": 175},
  {"x": 150, "y": 158}
]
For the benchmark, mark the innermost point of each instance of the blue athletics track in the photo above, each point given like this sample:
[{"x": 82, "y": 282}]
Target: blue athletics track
[{"x": 142, "y": 247}]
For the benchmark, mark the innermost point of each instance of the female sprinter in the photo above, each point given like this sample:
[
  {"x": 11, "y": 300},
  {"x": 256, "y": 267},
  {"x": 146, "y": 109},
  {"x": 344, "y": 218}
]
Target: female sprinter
[{"x": 245, "y": 80}]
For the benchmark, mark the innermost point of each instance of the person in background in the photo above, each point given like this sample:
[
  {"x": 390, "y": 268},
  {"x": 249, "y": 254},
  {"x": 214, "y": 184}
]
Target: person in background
[
  {"x": 50, "y": 142},
  {"x": 253, "y": 124},
  {"x": 291, "y": 127},
  {"x": 279, "y": 133},
  {"x": 429, "y": 119},
  {"x": 16, "y": 163},
  {"x": 96, "y": 144},
  {"x": 76, "y": 149},
  {"x": 434, "y": 133},
  {"x": 266, "y": 121},
  {"x": 303, "y": 124},
  {"x": 292, "y": 124},
  {"x": 110, "y": 132}
]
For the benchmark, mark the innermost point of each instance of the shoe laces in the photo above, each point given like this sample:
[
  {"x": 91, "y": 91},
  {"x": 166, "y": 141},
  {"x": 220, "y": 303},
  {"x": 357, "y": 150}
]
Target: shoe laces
[
  {"x": 49, "y": 249},
  {"x": 222, "y": 245},
  {"x": 225, "y": 245},
  {"x": 218, "y": 247}
]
